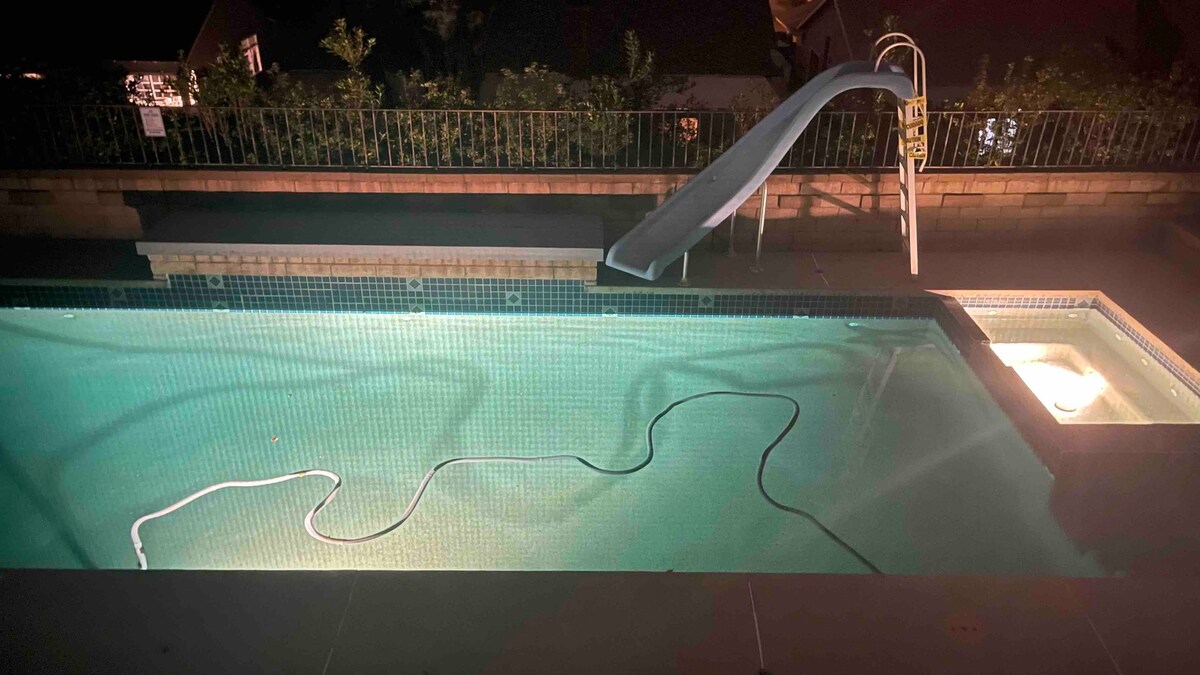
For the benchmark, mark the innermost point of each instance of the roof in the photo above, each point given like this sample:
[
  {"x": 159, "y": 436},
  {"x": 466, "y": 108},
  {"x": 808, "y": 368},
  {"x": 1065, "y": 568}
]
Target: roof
[{"x": 795, "y": 13}]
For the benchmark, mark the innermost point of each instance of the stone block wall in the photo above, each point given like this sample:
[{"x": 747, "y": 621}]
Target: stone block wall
[
  {"x": 581, "y": 270},
  {"x": 65, "y": 204}
]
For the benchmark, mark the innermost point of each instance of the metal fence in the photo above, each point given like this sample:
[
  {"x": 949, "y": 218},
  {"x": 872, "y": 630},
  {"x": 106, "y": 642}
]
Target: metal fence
[{"x": 64, "y": 136}]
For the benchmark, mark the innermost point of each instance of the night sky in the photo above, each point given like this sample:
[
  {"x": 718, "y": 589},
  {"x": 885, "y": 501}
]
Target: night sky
[
  {"x": 956, "y": 31},
  {"x": 128, "y": 29}
]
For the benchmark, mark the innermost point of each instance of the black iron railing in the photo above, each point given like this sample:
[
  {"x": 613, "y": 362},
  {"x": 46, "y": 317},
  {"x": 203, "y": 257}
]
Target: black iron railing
[{"x": 65, "y": 136}]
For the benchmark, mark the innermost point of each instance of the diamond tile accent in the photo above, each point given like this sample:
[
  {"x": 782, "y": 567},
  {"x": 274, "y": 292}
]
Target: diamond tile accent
[
  {"x": 513, "y": 299},
  {"x": 705, "y": 301},
  {"x": 215, "y": 281},
  {"x": 415, "y": 284}
]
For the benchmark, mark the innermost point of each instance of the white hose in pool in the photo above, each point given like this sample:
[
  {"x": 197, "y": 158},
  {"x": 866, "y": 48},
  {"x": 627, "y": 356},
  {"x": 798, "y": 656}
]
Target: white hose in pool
[
  {"x": 140, "y": 550},
  {"x": 312, "y": 514}
]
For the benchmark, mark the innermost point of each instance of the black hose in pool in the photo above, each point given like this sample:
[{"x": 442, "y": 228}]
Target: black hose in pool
[
  {"x": 309, "y": 518},
  {"x": 762, "y": 463}
]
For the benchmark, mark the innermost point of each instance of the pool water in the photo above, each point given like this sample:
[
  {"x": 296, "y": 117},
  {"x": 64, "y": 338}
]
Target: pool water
[{"x": 108, "y": 415}]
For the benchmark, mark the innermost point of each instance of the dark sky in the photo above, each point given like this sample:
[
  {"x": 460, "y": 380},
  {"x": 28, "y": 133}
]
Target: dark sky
[
  {"x": 957, "y": 30},
  {"x": 127, "y": 29},
  {"x": 955, "y": 33},
  {"x": 145, "y": 30}
]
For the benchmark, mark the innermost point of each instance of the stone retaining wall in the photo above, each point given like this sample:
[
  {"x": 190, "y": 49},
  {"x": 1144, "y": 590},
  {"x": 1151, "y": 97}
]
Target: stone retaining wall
[{"x": 162, "y": 265}]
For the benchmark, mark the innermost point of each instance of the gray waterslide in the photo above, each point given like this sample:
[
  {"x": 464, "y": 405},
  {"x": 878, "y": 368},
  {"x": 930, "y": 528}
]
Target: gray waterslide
[{"x": 709, "y": 197}]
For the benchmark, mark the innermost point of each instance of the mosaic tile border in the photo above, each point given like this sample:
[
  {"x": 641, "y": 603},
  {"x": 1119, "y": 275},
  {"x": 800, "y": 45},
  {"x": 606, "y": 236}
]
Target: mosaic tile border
[
  {"x": 1026, "y": 302},
  {"x": 1109, "y": 310},
  {"x": 453, "y": 296},
  {"x": 1182, "y": 372}
]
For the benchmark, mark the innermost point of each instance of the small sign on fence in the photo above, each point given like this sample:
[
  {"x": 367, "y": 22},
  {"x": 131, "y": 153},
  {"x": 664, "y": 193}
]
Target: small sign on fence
[{"x": 152, "y": 122}]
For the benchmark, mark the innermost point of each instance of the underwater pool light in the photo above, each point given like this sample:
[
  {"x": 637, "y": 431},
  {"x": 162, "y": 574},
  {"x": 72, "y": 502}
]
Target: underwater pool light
[{"x": 1062, "y": 389}]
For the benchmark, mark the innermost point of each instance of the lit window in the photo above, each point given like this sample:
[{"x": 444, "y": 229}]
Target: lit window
[
  {"x": 250, "y": 53},
  {"x": 155, "y": 89}
]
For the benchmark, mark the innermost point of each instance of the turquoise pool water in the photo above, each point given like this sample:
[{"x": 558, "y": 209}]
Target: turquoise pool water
[{"x": 108, "y": 415}]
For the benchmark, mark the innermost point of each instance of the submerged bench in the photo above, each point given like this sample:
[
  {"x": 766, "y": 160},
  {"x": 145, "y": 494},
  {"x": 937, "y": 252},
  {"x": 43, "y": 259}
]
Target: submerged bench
[{"x": 373, "y": 244}]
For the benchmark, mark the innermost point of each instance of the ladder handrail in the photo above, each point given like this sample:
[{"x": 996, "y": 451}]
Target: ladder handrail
[{"x": 907, "y": 167}]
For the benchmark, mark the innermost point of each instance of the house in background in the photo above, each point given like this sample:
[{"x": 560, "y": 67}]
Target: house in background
[
  {"x": 259, "y": 36},
  {"x": 812, "y": 33},
  {"x": 236, "y": 23}
]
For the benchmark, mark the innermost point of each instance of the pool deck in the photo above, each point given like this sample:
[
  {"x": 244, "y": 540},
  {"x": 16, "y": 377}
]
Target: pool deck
[{"x": 559, "y": 622}]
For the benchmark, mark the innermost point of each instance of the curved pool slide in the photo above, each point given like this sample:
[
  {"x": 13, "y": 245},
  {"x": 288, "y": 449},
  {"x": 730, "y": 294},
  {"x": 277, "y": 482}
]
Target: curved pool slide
[{"x": 701, "y": 204}]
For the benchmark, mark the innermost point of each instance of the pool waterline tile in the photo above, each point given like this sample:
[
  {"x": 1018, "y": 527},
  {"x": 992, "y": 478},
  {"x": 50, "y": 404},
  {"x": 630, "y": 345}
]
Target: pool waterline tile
[{"x": 453, "y": 296}]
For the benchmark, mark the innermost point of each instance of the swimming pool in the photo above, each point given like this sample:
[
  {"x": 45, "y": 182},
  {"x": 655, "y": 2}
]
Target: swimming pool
[{"x": 107, "y": 415}]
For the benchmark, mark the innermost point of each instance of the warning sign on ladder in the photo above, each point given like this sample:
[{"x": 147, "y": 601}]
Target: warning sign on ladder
[{"x": 912, "y": 128}]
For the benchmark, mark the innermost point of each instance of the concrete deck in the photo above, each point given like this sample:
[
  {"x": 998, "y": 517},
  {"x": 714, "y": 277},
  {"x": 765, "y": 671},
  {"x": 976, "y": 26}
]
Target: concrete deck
[{"x": 552, "y": 622}]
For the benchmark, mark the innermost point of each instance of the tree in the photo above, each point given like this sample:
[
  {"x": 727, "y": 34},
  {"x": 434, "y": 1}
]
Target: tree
[
  {"x": 459, "y": 36},
  {"x": 1135, "y": 116},
  {"x": 226, "y": 82},
  {"x": 536, "y": 87},
  {"x": 353, "y": 46},
  {"x": 413, "y": 90},
  {"x": 640, "y": 83},
  {"x": 1079, "y": 80}
]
